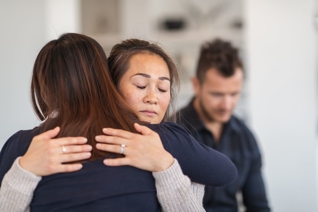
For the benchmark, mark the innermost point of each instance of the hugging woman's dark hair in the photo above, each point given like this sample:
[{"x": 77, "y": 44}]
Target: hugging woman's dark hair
[{"x": 65, "y": 93}]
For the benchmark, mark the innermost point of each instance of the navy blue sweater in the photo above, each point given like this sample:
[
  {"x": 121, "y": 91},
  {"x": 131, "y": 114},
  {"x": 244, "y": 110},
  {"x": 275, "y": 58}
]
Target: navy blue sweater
[{"x": 97, "y": 187}]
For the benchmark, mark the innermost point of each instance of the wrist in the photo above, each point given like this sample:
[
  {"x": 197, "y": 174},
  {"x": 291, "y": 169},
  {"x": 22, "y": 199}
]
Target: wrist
[
  {"x": 23, "y": 164},
  {"x": 166, "y": 162}
]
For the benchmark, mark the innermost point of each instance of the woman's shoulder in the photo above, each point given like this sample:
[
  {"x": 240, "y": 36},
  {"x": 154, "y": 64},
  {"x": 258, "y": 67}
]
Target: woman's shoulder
[
  {"x": 18, "y": 143},
  {"x": 170, "y": 128},
  {"x": 14, "y": 147},
  {"x": 172, "y": 134}
]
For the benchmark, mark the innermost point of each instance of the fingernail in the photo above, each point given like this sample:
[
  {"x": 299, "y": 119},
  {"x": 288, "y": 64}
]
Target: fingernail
[
  {"x": 84, "y": 139},
  {"x": 78, "y": 166}
]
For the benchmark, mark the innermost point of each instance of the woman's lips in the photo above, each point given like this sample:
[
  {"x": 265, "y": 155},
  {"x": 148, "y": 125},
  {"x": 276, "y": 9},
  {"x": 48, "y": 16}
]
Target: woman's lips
[{"x": 148, "y": 112}]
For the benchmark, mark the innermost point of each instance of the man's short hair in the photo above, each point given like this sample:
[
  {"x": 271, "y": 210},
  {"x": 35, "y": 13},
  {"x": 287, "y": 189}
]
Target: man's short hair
[{"x": 220, "y": 55}]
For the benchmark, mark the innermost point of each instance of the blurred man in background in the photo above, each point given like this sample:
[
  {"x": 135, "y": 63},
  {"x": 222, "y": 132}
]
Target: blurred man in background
[{"x": 209, "y": 118}]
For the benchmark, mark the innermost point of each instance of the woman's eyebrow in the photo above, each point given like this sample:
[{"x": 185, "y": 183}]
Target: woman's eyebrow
[{"x": 148, "y": 76}]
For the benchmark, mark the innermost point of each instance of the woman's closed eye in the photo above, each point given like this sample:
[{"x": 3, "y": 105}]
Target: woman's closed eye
[
  {"x": 140, "y": 87},
  {"x": 143, "y": 87},
  {"x": 162, "y": 90}
]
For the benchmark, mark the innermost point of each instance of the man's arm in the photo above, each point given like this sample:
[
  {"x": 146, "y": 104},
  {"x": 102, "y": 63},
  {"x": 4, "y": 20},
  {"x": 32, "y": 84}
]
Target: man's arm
[{"x": 253, "y": 191}]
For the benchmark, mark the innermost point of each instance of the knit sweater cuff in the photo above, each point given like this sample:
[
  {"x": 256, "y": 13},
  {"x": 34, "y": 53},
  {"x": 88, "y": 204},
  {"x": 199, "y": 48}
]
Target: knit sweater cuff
[
  {"x": 171, "y": 176},
  {"x": 21, "y": 180}
]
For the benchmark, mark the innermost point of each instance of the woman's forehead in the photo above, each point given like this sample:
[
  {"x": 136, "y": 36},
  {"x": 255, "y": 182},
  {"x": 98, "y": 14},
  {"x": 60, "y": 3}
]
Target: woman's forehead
[{"x": 150, "y": 64}]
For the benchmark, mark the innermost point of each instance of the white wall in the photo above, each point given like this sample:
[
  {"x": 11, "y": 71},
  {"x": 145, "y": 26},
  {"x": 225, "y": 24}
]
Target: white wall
[
  {"x": 25, "y": 28},
  {"x": 62, "y": 16},
  {"x": 282, "y": 74},
  {"x": 22, "y": 35}
]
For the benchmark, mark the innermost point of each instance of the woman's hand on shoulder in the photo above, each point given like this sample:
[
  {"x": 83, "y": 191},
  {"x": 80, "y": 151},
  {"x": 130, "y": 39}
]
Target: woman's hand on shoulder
[
  {"x": 144, "y": 151},
  {"x": 46, "y": 155}
]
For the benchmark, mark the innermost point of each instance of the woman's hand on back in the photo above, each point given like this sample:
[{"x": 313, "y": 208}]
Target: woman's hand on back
[
  {"x": 144, "y": 151},
  {"x": 46, "y": 155}
]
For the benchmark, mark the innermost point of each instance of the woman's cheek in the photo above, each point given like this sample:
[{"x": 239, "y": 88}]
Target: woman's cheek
[
  {"x": 130, "y": 98},
  {"x": 166, "y": 101}
]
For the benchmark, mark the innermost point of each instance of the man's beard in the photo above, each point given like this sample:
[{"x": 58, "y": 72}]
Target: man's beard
[{"x": 205, "y": 112}]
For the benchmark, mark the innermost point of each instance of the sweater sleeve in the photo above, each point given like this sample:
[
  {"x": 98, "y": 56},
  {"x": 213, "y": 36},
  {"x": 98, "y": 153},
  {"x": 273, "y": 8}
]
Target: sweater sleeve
[
  {"x": 176, "y": 192},
  {"x": 17, "y": 189}
]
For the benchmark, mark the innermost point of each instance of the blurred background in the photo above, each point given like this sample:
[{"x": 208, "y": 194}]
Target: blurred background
[{"x": 277, "y": 41}]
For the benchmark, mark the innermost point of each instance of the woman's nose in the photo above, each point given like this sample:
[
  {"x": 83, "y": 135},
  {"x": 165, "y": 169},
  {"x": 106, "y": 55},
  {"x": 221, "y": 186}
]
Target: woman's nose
[{"x": 151, "y": 98}]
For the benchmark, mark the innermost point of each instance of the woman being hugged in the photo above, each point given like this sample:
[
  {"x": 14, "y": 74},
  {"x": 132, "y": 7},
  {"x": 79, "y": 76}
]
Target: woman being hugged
[{"x": 147, "y": 77}]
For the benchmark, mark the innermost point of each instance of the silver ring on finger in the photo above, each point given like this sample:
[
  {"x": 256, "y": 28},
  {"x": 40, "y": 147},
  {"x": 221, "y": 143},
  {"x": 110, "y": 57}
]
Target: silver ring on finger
[
  {"x": 63, "y": 149},
  {"x": 122, "y": 148}
]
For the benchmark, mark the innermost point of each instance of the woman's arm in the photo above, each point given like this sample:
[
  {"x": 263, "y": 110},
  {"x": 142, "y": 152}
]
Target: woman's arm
[
  {"x": 176, "y": 192},
  {"x": 17, "y": 189},
  {"x": 200, "y": 163}
]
